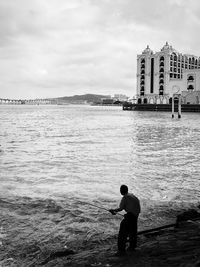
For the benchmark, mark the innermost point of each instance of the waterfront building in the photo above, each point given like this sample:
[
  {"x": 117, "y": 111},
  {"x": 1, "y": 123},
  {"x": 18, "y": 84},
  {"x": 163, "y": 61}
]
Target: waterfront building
[
  {"x": 120, "y": 97},
  {"x": 164, "y": 73}
]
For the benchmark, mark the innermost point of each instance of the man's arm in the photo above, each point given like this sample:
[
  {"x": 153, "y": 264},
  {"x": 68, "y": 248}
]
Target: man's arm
[
  {"x": 114, "y": 211},
  {"x": 118, "y": 209},
  {"x": 121, "y": 207}
]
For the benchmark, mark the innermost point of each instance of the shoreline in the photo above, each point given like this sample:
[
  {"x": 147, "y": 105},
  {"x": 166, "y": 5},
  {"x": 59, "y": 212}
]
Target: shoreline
[{"x": 175, "y": 246}]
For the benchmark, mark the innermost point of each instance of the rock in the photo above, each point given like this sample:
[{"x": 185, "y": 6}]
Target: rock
[
  {"x": 57, "y": 254},
  {"x": 196, "y": 264},
  {"x": 188, "y": 215}
]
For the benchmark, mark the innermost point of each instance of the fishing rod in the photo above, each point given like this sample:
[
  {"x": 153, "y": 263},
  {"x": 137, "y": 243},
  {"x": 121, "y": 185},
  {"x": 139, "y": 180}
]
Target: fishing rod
[
  {"x": 65, "y": 251},
  {"x": 102, "y": 208},
  {"x": 63, "y": 215},
  {"x": 96, "y": 206}
]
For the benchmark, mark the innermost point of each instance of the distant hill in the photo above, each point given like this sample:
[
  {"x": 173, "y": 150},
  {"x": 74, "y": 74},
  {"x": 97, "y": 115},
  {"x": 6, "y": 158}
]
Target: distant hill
[{"x": 90, "y": 98}]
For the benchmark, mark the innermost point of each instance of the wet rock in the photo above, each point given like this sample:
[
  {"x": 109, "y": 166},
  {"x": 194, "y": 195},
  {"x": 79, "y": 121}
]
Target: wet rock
[
  {"x": 188, "y": 215},
  {"x": 57, "y": 254}
]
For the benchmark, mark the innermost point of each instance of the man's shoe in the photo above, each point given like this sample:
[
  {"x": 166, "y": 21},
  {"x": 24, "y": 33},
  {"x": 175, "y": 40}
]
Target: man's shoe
[{"x": 120, "y": 254}]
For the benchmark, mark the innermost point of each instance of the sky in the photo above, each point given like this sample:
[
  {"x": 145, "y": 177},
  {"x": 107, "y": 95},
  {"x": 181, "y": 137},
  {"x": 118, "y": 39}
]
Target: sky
[{"x": 55, "y": 48}]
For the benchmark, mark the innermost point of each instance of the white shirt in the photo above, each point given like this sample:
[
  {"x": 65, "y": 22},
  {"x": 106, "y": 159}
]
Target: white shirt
[{"x": 130, "y": 203}]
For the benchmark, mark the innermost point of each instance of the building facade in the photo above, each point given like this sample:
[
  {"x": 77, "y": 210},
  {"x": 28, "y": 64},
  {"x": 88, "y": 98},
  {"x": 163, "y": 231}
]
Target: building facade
[{"x": 162, "y": 74}]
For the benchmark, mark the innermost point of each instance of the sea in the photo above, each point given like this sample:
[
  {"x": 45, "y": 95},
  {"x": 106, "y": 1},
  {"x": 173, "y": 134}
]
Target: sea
[{"x": 61, "y": 167}]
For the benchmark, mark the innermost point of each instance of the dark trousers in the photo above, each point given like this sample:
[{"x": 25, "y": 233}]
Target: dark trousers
[{"x": 128, "y": 228}]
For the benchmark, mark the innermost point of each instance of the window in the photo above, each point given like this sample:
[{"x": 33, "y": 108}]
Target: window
[
  {"x": 161, "y": 69},
  {"x": 190, "y": 87},
  {"x": 190, "y": 78},
  {"x": 161, "y": 81},
  {"x": 152, "y": 76},
  {"x": 193, "y": 60}
]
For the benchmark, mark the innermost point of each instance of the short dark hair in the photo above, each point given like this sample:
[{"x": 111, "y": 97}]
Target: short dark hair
[{"x": 124, "y": 189}]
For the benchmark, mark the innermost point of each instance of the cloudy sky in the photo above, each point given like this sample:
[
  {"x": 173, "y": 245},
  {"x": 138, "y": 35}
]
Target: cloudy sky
[{"x": 52, "y": 48}]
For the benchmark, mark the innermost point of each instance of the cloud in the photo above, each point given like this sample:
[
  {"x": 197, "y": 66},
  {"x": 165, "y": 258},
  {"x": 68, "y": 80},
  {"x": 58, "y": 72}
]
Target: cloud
[{"x": 55, "y": 48}]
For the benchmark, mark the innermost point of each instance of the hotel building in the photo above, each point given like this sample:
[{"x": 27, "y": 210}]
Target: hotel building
[{"x": 162, "y": 74}]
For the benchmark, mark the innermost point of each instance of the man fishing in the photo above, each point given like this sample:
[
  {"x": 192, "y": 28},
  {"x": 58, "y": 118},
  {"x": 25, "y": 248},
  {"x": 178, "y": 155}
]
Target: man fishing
[{"x": 128, "y": 226}]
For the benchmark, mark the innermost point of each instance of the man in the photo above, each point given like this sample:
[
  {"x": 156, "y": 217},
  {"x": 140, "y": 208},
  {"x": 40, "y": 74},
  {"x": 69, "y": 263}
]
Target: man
[{"x": 128, "y": 227}]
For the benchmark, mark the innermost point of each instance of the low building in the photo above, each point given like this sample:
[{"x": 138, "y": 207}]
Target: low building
[
  {"x": 164, "y": 73},
  {"x": 107, "y": 101},
  {"x": 120, "y": 97}
]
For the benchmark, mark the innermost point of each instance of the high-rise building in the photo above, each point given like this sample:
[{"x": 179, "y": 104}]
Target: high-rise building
[{"x": 161, "y": 74}]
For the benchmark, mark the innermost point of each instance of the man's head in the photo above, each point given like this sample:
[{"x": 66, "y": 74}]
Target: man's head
[{"x": 124, "y": 189}]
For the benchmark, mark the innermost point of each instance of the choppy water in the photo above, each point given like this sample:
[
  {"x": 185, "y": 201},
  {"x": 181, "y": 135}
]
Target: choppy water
[{"x": 55, "y": 158}]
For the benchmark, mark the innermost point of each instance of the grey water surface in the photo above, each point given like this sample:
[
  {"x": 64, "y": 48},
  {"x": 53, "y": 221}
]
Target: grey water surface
[{"x": 74, "y": 155}]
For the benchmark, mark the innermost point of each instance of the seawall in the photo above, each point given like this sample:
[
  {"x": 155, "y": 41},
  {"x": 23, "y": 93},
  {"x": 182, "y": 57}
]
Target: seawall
[{"x": 161, "y": 107}]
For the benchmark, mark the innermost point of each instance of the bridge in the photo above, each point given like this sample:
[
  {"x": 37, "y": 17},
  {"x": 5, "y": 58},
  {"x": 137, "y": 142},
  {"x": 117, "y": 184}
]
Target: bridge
[{"x": 27, "y": 101}]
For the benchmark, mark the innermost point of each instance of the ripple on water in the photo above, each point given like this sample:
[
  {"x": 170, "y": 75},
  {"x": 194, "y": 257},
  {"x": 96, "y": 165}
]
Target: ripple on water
[{"x": 87, "y": 152}]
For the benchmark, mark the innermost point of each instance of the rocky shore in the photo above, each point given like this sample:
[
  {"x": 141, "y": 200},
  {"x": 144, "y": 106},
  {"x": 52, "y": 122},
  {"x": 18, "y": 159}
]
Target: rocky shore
[{"x": 177, "y": 245}]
